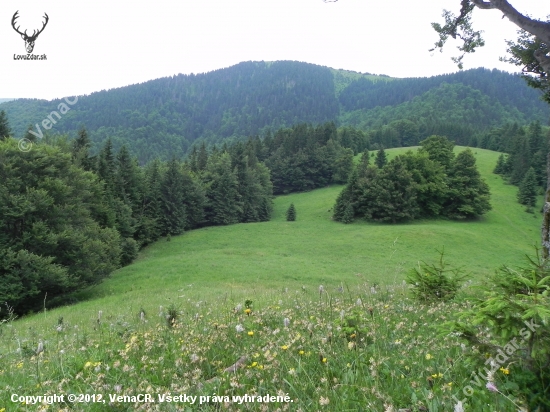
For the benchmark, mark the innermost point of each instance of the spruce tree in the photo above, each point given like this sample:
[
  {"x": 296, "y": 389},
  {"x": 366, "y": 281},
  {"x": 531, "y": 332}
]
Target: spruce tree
[
  {"x": 5, "y": 130},
  {"x": 348, "y": 215},
  {"x": 468, "y": 194},
  {"x": 381, "y": 158},
  {"x": 500, "y": 167},
  {"x": 527, "y": 194},
  {"x": 291, "y": 213}
]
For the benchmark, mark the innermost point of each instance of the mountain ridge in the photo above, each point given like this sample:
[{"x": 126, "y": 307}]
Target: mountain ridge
[{"x": 166, "y": 116}]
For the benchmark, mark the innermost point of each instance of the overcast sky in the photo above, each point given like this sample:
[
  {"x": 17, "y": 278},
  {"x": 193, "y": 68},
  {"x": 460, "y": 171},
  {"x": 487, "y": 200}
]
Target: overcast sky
[{"x": 102, "y": 44}]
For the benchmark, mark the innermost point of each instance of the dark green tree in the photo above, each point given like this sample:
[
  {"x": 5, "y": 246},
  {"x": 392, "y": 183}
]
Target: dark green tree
[
  {"x": 500, "y": 167},
  {"x": 439, "y": 149},
  {"x": 174, "y": 216},
  {"x": 468, "y": 194},
  {"x": 527, "y": 194},
  {"x": 381, "y": 158},
  {"x": 52, "y": 234},
  {"x": 81, "y": 151},
  {"x": 5, "y": 130},
  {"x": 291, "y": 213},
  {"x": 392, "y": 194}
]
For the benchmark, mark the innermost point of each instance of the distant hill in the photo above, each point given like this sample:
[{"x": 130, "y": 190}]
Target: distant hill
[
  {"x": 163, "y": 117},
  {"x": 2, "y": 100}
]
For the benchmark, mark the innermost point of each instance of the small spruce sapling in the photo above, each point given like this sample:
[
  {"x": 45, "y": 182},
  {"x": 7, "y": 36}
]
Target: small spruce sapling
[{"x": 291, "y": 213}]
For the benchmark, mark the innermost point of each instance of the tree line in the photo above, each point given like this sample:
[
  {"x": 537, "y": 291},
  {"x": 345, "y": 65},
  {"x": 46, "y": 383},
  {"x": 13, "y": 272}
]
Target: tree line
[{"x": 69, "y": 217}]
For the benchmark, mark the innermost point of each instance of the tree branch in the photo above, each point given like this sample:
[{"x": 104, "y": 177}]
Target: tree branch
[{"x": 537, "y": 28}]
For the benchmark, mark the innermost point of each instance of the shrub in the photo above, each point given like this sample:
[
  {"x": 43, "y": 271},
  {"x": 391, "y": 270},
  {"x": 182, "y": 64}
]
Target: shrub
[{"x": 432, "y": 282}]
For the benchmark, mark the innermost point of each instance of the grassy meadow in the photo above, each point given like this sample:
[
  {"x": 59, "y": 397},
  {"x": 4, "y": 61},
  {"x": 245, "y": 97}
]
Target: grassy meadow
[{"x": 356, "y": 343}]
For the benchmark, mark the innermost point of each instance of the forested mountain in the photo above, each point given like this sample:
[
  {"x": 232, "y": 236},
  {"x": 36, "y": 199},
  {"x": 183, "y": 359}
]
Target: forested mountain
[{"x": 164, "y": 117}]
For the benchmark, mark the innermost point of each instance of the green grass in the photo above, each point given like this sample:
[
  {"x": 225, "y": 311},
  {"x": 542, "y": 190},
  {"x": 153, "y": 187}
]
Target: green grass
[
  {"x": 279, "y": 265},
  {"x": 316, "y": 250}
]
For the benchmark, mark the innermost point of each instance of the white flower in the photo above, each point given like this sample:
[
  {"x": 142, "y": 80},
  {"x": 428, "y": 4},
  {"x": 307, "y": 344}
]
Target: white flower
[
  {"x": 239, "y": 328},
  {"x": 286, "y": 322},
  {"x": 459, "y": 407},
  {"x": 238, "y": 307},
  {"x": 193, "y": 357},
  {"x": 358, "y": 302},
  {"x": 321, "y": 289}
]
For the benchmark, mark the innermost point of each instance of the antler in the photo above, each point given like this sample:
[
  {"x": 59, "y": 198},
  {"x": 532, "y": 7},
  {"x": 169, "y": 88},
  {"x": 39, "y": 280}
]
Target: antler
[
  {"x": 34, "y": 35},
  {"x": 15, "y": 17}
]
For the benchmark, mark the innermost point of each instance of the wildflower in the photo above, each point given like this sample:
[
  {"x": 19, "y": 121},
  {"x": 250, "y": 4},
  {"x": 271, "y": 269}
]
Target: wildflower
[
  {"x": 398, "y": 341},
  {"x": 193, "y": 357},
  {"x": 239, "y": 328},
  {"x": 358, "y": 302},
  {"x": 284, "y": 347},
  {"x": 291, "y": 371},
  {"x": 286, "y": 322},
  {"x": 238, "y": 307},
  {"x": 386, "y": 306},
  {"x": 342, "y": 314},
  {"x": 253, "y": 364},
  {"x": 301, "y": 352},
  {"x": 87, "y": 365},
  {"x": 505, "y": 371},
  {"x": 351, "y": 345},
  {"x": 248, "y": 311},
  {"x": 428, "y": 356},
  {"x": 250, "y": 333},
  {"x": 40, "y": 348},
  {"x": 324, "y": 360},
  {"x": 491, "y": 386},
  {"x": 459, "y": 407},
  {"x": 324, "y": 401}
]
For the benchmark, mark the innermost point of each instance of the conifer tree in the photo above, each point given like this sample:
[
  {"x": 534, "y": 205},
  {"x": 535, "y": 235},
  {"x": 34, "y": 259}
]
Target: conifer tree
[
  {"x": 80, "y": 151},
  {"x": 381, "y": 158},
  {"x": 500, "y": 167},
  {"x": 291, "y": 213},
  {"x": 527, "y": 194},
  {"x": 468, "y": 194},
  {"x": 5, "y": 130},
  {"x": 348, "y": 214},
  {"x": 174, "y": 217}
]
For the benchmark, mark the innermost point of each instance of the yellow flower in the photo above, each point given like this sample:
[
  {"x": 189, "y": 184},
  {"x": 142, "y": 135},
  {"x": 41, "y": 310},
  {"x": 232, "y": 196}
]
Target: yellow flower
[
  {"x": 19, "y": 365},
  {"x": 301, "y": 352},
  {"x": 250, "y": 333},
  {"x": 324, "y": 360},
  {"x": 428, "y": 356},
  {"x": 87, "y": 364},
  {"x": 254, "y": 364},
  {"x": 437, "y": 375},
  {"x": 504, "y": 370},
  {"x": 3, "y": 410},
  {"x": 450, "y": 384},
  {"x": 284, "y": 347},
  {"x": 248, "y": 311},
  {"x": 386, "y": 306}
]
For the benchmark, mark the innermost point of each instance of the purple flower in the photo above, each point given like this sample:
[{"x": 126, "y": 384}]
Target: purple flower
[{"x": 491, "y": 386}]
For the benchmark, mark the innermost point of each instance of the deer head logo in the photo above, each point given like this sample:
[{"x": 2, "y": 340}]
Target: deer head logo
[{"x": 29, "y": 40}]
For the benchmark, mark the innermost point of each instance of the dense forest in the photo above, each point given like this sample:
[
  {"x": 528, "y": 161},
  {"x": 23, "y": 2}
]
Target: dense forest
[
  {"x": 169, "y": 116},
  {"x": 69, "y": 217}
]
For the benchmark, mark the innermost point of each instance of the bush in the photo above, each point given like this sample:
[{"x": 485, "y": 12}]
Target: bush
[{"x": 432, "y": 282}]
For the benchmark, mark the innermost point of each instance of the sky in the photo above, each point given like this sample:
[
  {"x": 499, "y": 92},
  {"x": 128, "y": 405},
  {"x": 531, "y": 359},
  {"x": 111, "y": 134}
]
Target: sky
[{"x": 99, "y": 45}]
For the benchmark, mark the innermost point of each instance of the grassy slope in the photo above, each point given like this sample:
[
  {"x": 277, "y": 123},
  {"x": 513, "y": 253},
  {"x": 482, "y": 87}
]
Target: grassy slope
[{"x": 315, "y": 250}]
